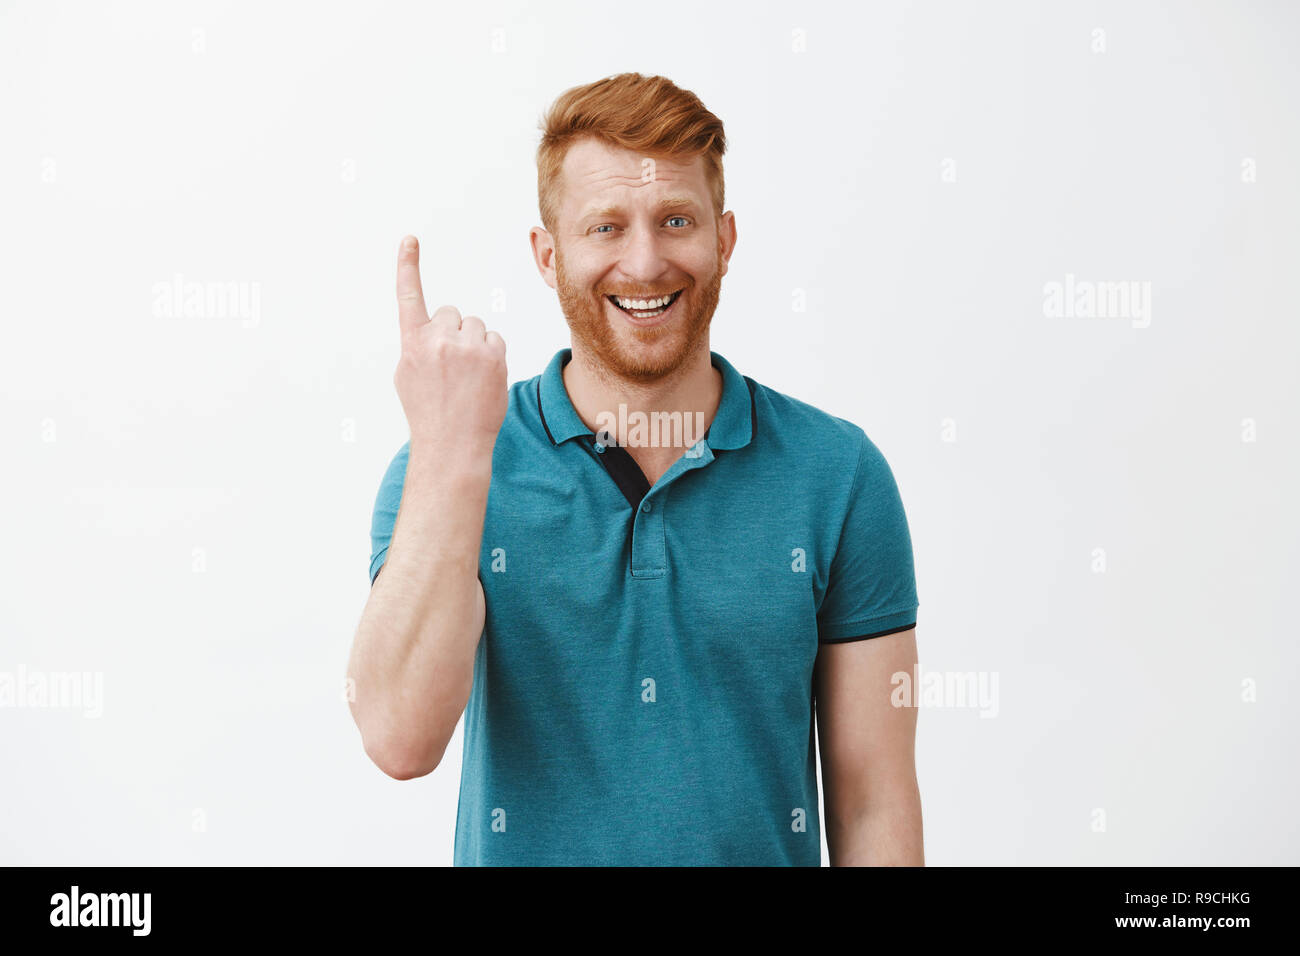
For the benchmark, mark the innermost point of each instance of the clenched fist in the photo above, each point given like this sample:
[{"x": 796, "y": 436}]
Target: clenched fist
[{"x": 451, "y": 377}]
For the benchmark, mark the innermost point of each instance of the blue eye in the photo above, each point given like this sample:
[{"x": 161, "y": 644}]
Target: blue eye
[{"x": 598, "y": 229}]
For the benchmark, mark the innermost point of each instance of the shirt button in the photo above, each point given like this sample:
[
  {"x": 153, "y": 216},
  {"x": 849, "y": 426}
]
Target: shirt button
[
  {"x": 600, "y": 449},
  {"x": 647, "y": 507}
]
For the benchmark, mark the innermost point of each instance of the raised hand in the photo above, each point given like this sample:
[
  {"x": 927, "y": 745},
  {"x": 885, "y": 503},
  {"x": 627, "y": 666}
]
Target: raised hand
[{"x": 451, "y": 377}]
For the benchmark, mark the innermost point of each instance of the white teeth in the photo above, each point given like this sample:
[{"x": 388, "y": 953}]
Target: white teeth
[{"x": 641, "y": 305}]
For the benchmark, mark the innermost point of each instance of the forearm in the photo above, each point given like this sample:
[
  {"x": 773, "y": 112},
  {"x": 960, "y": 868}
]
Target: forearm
[
  {"x": 413, "y": 656},
  {"x": 882, "y": 831}
]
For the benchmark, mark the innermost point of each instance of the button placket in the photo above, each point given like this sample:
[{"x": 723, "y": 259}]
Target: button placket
[
  {"x": 649, "y": 541},
  {"x": 649, "y": 549}
]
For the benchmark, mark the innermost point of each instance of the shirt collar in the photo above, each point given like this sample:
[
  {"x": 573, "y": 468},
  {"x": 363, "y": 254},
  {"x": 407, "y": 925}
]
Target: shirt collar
[{"x": 732, "y": 427}]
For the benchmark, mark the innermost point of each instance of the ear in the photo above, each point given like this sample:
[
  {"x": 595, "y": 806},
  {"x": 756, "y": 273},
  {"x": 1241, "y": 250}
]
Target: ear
[
  {"x": 727, "y": 237},
  {"x": 543, "y": 253}
]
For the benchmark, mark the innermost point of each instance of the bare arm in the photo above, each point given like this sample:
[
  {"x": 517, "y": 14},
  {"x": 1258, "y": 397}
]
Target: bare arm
[
  {"x": 412, "y": 658},
  {"x": 413, "y": 654},
  {"x": 870, "y": 792}
]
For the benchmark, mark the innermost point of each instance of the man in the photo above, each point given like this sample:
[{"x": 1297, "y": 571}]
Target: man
[{"x": 640, "y": 633}]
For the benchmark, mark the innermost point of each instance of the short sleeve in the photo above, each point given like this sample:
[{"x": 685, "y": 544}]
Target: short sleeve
[
  {"x": 871, "y": 587},
  {"x": 385, "y": 515}
]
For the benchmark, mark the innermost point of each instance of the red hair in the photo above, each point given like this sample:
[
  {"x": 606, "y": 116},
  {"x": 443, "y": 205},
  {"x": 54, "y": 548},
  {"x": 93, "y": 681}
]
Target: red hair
[{"x": 646, "y": 114}]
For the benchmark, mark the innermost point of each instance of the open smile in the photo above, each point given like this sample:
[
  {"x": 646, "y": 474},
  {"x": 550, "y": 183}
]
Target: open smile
[{"x": 645, "y": 311}]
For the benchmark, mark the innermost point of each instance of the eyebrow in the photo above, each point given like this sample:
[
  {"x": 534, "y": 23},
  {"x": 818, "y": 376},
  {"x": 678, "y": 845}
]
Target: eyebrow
[{"x": 667, "y": 203}]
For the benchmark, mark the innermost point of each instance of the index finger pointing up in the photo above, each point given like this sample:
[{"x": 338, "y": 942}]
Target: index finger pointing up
[{"x": 411, "y": 311}]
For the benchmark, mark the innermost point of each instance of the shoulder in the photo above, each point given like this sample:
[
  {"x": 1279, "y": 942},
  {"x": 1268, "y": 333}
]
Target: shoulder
[
  {"x": 523, "y": 423},
  {"x": 796, "y": 428}
]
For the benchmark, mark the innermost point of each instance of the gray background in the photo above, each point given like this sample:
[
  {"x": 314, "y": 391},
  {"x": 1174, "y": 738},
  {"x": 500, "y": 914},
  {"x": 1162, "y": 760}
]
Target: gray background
[{"x": 288, "y": 148}]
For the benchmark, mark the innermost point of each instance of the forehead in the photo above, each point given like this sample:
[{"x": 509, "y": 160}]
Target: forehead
[{"x": 596, "y": 174}]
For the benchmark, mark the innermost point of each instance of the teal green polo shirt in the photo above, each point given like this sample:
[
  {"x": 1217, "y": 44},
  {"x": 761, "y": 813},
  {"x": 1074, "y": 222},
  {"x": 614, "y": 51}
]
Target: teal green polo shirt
[{"x": 642, "y": 688}]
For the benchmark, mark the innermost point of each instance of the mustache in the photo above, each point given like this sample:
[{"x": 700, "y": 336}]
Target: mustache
[{"x": 644, "y": 295}]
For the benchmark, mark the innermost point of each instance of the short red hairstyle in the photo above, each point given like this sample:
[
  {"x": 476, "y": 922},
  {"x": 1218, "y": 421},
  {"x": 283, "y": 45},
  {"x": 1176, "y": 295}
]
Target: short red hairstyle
[{"x": 647, "y": 114}]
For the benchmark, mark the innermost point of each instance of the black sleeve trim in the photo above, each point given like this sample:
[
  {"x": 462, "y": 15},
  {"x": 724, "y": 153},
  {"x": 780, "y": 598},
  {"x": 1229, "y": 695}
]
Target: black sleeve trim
[{"x": 863, "y": 637}]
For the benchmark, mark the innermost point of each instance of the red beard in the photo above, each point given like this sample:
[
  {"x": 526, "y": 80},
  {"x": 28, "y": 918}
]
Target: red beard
[{"x": 637, "y": 354}]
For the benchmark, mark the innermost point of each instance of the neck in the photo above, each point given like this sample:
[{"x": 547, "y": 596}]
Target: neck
[{"x": 694, "y": 389}]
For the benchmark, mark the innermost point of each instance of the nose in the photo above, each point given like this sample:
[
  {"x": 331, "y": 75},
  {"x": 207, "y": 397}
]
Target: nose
[{"x": 642, "y": 258}]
